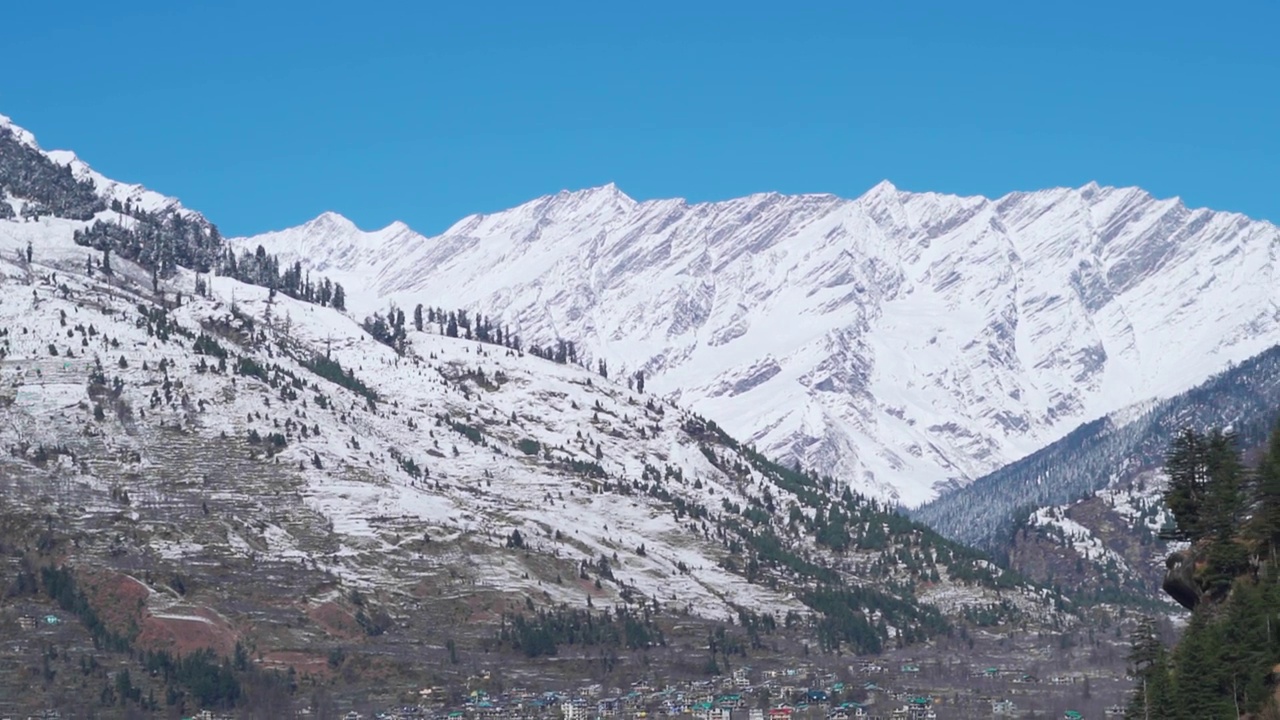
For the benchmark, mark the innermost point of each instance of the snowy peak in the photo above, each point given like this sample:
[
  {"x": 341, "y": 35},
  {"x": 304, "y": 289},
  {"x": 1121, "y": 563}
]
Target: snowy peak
[
  {"x": 901, "y": 341},
  {"x": 330, "y": 221},
  {"x": 23, "y": 136},
  {"x": 607, "y": 193},
  {"x": 882, "y": 191},
  {"x": 109, "y": 190},
  {"x": 598, "y": 204}
]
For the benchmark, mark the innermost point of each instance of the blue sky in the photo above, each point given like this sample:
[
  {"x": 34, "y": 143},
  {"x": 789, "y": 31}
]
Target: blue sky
[{"x": 264, "y": 114}]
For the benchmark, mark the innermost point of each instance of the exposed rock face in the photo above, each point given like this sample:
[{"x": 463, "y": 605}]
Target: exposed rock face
[{"x": 1180, "y": 582}]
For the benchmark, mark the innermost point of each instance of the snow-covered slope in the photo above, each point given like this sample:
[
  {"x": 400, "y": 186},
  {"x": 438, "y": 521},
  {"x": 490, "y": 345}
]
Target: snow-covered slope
[
  {"x": 900, "y": 341},
  {"x": 196, "y": 423}
]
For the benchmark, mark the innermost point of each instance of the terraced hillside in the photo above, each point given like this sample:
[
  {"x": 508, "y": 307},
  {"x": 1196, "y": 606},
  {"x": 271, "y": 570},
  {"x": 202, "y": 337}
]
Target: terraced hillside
[{"x": 223, "y": 466}]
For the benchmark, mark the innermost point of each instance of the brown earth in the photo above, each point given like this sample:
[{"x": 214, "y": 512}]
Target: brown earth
[
  {"x": 303, "y": 663},
  {"x": 182, "y": 632},
  {"x": 336, "y": 620}
]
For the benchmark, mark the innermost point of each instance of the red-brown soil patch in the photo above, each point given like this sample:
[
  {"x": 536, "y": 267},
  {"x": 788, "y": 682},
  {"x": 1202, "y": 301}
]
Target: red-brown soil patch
[
  {"x": 182, "y": 631},
  {"x": 302, "y": 662},
  {"x": 120, "y": 600},
  {"x": 336, "y": 620}
]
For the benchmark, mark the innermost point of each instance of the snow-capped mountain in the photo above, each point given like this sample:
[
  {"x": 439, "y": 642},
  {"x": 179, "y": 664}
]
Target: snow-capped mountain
[
  {"x": 900, "y": 341},
  {"x": 221, "y": 455}
]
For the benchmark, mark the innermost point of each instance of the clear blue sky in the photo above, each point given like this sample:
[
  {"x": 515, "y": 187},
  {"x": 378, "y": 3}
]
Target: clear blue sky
[{"x": 264, "y": 114}]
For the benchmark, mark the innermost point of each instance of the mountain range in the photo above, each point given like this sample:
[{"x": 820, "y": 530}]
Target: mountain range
[
  {"x": 205, "y": 452},
  {"x": 905, "y": 343}
]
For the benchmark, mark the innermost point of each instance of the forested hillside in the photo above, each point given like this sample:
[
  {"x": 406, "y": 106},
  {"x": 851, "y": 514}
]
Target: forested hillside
[
  {"x": 1223, "y": 666},
  {"x": 1105, "y": 452}
]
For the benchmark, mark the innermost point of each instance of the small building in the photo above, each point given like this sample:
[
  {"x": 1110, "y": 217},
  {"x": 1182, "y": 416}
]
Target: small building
[
  {"x": 573, "y": 710},
  {"x": 730, "y": 702},
  {"x": 1003, "y": 707},
  {"x": 707, "y": 711}
]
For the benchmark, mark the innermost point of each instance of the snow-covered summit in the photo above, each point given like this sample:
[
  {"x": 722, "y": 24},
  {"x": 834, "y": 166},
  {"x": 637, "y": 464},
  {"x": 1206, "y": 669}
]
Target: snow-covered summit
[
  {"x": 23, "y": 136},
  {"x": 132, "y": 193},
  {"x": 109, "y": 190},
  {"x": 901, "y": 341}
]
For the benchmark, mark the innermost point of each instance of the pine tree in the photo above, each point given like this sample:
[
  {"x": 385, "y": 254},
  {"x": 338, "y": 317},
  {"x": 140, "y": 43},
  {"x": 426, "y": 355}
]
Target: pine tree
[
  {"x": 1266, "y": 519},
  {"x": 1187, "y": 466},
  {"x": 1224, "y": 504},
  {"x": 417, "y": 317},
  {"x": 1152, "y": 694},
  {"x": 1198, "y": 671}
]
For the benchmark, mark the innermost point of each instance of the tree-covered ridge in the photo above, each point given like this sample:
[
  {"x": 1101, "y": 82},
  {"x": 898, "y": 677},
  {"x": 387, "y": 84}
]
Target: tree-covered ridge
[
  {"x": 45, "y": 187},
  {"x": 391, "y": 330},
  {"x": 987, "y": 512},
  {"x": 871, "y": 561},
  {"x": 160, "y": 240},
  {"x": 1230, "y": 577},
  {"x": 860, "y": 568}
]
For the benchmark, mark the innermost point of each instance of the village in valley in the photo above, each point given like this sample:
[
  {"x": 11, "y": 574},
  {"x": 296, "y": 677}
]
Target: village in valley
[
  {"x": 942, "y": 684},
  {"x": 420, "y": 515},
  {"x": 874, "y": 690}
]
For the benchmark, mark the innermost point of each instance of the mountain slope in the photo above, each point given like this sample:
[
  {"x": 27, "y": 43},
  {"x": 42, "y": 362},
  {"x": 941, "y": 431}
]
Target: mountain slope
[
  {"x": 220, "y": 464},
  {"x": 904, "y": 342},
  {"x": 1109, "y": 452}
]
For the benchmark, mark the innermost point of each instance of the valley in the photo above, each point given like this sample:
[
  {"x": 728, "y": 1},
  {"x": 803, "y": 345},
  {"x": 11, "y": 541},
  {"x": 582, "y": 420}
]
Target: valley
[{"x": 239, "y": 483}]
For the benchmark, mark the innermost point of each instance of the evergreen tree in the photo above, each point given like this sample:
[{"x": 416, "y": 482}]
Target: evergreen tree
[
  {"x": 1152, "y": 695},
  {"x": 1266, "y": 519},
  {"x": 1221, "y": 666},
  {"x": 1187, "y": 466},
  {"x": 417, "y": 317},
  {"x": 1198, "y": 671},
  {"x": 1224, "y": 503}
]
